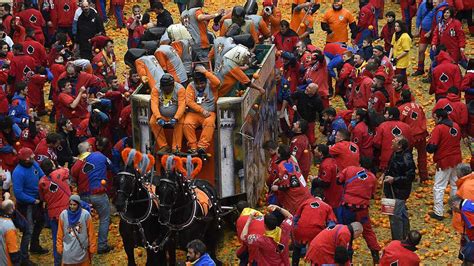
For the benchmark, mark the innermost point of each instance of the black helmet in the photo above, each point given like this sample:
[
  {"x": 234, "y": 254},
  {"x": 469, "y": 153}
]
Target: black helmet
[
  {"x": 251, "y": 7},
  {"x": 238, "y": 11},
  {"x": 132, "y": 55},
  {"x": 166, "y": 80}
]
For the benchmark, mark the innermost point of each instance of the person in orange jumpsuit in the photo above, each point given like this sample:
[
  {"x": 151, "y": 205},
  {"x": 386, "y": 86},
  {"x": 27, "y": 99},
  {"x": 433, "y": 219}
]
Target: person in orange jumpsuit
[
  {"x": 201, "y": 98},
  {"x": 271, "y": 14},
  {"x": 238, "y": 25},
  {"x": 302, "y": 19},
  {"x": 167, "y": 105},
  {"x": 9, "y": 249},
  {"x": 335, "y": 22}
]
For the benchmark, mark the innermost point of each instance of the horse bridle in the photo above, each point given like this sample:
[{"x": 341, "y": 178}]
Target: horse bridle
[{"x": 128, "y": 202}]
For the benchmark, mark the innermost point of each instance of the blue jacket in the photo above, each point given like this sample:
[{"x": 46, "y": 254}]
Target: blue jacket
[
  {"x": 89, "y": 172},
  {"x": 25, "y": 183},
  {"x": 204, "y": 260},
  {"x": 18, "y": 111},
  {"x": 424, "y": 17}
]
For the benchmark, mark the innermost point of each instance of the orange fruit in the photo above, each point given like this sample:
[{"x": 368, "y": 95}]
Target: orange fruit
[
  {"x": 302, "y": 25},
  {"x": 305, "y": 151},
  {"x": 371, "y": 27},
  {"x": 97, "y": 50},
  {"x": 255, "y": 106},
  {"x": 256, "y": 75},
  {"x": 126, "y": 94},
  {"x": 103, "y": 182},
  {"x": 445, "y": 249},
  {"x": 17, "y": 143},
  {"x": 100, "y": 64}
]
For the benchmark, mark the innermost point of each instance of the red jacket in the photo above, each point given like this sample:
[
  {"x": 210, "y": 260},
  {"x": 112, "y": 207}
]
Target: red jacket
[
  {"x": 42, "y": 152},
  {"x": 102, "y": 67},
  {"x": 445, "y": 75},
  {"x": 272, "y": 170},
  {"x": 468, "y": 83},
  {"x": 117, "y": 106},
  {"x": 384, "y": 135},
  {"x": 19, "y": 35},
  {"x": 56, "y": 70},
  {"x": 345, "y": 153},
  {"x": 359, "y": 186},
  {"x": 84, "y": 79},
  {"x": 29, "y": 141},
  {"x": 397, "y": 253},
  {"x": 256, "y": 227},
  {"x": 318, "y": 73},
  {"x": 35, "y": 95},
  {"x": 302, "y": 151},
  {"x": 8, "y": 160},
  {"x": 322, "y": 248},
  {"x": 413, "y": 115},
  {"x": 366, "y": 19},
  {"x": 311, "y": 218},
  {"x": 445, "y": 143},
  {"x": 62, "y": 13},
  {"x": 377, "y": 101},
  {"x": 286, "y": 43},
  {"x": 125, "y": 119},
  {"x": 360, "y": 135},
  {"x": 35, "y": 50},
  {"x": 386, "y": 34},
  {"x": 456, "y": 109},
  {"x": 64, "y": 109},
  {"x": 291, "y": 192},
  {"x": 32, "y": 18},
  {"x": 452, "y": 37},
  {"x": 54, "y": 190},
  {"x": 267, "y": 247},
  {"x": 3, "y": 102},
  {"x": 20, "y": 65},
  {"x": 292, "y": 74},
  {"x": 361, "y": 91},
  {"x": 328, "y": 173}
]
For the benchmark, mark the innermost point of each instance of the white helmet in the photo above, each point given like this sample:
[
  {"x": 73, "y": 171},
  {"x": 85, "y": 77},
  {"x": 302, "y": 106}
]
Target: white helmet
[
  {"x": 177, "y": 32},
  {"x": 239, "y": 54}
]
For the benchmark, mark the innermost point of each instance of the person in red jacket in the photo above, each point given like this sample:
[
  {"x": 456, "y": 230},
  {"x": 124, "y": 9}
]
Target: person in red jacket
[
  {"x": 285, "y": 40},
  {"x": 399, "y": 85},
  {"x": 445, "y": 144},
  {"x": 467, "y": 85},
  {"x": 387, "y": 131},
  {"x": 47, "y": 148},
  {"x": 332, "y": 245},
  {"x": 361, "y": 135},
  {"x": 32, "y": 18},
  {"x": 34, "y": 48},
  {"x": 318, "y": 73},
  {"x": 359, "y": 185},
  {"x": 402, "y": 252},
  {"x": 115, "y": 95},
  {"x": 80, "y": 79},
  {"x": 301, "y": 147},
  {"x": 54, "y": 191},
  {"x": 345, "y": 152},
  {"x": 62, "y": 15},
  {"x": 272, "y": 247},
  {"x": 245, "y": 254},
  {"x": 35, "y": 95},
  {"x": 312, "y": 217},
  {"x": 344, "y": 77},
  {"x": 8, "y": 160},
  {"x": 125, "y": 120},
  {"x": 326, "y": 178},
  {"x": 388, "y": 30},
  {"x": 71, "y": 107},
  {"x": 457, "y": 110},
  {"x": 446, "y": 74},
  {"x": 290, "y": 187},
  {"x": 367, "y": 24},
  {"x": 104, "y": 62},
  {"x": 135, "y": 27},
  {"x": 413, "y": 115},
  {"x": 449, "y": 32},
  {"x": 380, "y": 96},
  {"x": 20, "y": 65},
  {"x": 31, "y": 136},
  {"x": 362, "y": 87}
]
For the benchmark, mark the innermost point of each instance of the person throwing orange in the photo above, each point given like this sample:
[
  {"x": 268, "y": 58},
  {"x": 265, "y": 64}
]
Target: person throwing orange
[{"x": 201, "y": 98}]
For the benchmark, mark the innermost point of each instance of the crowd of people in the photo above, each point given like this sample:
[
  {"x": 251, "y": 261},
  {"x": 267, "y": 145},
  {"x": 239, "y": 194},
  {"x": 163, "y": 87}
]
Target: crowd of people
[{"x": 60, "y": 175}]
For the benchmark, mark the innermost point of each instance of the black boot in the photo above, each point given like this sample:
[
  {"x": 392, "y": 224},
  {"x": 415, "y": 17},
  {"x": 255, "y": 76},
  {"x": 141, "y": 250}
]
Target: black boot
[{"x": 375, "y": 256}]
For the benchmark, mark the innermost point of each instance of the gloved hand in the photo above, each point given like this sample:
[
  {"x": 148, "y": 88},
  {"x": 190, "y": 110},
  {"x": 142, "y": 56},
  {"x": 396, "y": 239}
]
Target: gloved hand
[
  {"x": 394, "y": 61},
  {"x": 173, "y": 122},
  {"x": 160, "y": 122}
]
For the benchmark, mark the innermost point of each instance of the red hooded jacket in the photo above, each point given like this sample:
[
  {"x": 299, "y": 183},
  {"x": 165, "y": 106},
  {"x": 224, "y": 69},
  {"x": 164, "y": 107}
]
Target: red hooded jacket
[
  {"x": 359, "y": 186},
  {"x": 54, "y": 190},
  {"x": 311, "y": 218},
  {"x": 452, "y": 36},
  {"x": 384, "y": 135},
  {"x": 8, "y": 160},
  {"x": 256, "y": 227},
  {"x": 328, "y": 173},
  {"x": 291, "y": 191},
  {"x": 35, "y": 95},
  {"x": 32, "y": 18},
  {"x": 457, "y": 110},
  {"x": 35, "y": 50},
  {"x": 318, "y": 73},
  {"x": 397, "y": 253},
  {"x": 413, "y": 115},
  {"x": 468, "y": 83},
  {"x": 360, "y": 135},
  {"x": 125, "y": 119},
  {"x": 27, "y": 140},
  {"x": 42, "y": 152},
  {"x": 62, "y": 13},
  {"x": 323, "y": 246},
  {"x": 445, "y": 75},
  {"x": 286, "y": 43},
  {"x": 361, "y": 91},
  {"x": 301, "y": 150},
  {"x": 20, "y": 65},
  {"x": 445, "y": 143},
  {"x": 345, "y": 153}
]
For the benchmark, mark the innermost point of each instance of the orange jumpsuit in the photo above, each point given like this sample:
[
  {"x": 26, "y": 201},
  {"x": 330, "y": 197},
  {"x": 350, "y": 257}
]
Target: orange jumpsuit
[
  {"x": 167, "y": 110},
  {"x": 170, "y": 61},
  {"x": 273, "y": 21},
  {"x": 197, "y": 105},
  {"x": 9, "y": 243},
  {"x": 229, "y": 75}
]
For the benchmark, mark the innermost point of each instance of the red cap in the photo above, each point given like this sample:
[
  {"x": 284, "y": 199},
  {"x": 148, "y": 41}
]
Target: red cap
[
  {"x": 267, "y": 3},
  {"x": 25, "y": 154}
]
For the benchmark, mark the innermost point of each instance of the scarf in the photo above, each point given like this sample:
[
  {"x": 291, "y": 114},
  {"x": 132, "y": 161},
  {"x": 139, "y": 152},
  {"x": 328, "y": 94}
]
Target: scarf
[
  {"x": 274, "y": 234},
  {"x": 108, "y": 59},
  {"x": 74, "y": 216},
  {"x": 249, "y": 211},
  {"x": 443, "y": 24},
  {"x": 83, "y": 155}
]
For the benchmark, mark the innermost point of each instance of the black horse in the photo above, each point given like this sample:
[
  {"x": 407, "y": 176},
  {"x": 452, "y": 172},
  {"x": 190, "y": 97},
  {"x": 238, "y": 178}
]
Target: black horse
[
  {"x": 139, "y": 224},
  {"x": 180, "y": 210}
]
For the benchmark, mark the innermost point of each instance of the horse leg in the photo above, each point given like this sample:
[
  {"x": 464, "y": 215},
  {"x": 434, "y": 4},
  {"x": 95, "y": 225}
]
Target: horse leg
[
  {"x": 211, "y": 240},
  {"x": 128, "y": 241},
  {"x": 158, "y": 258},
  {"x": 171, "y": 249}
]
